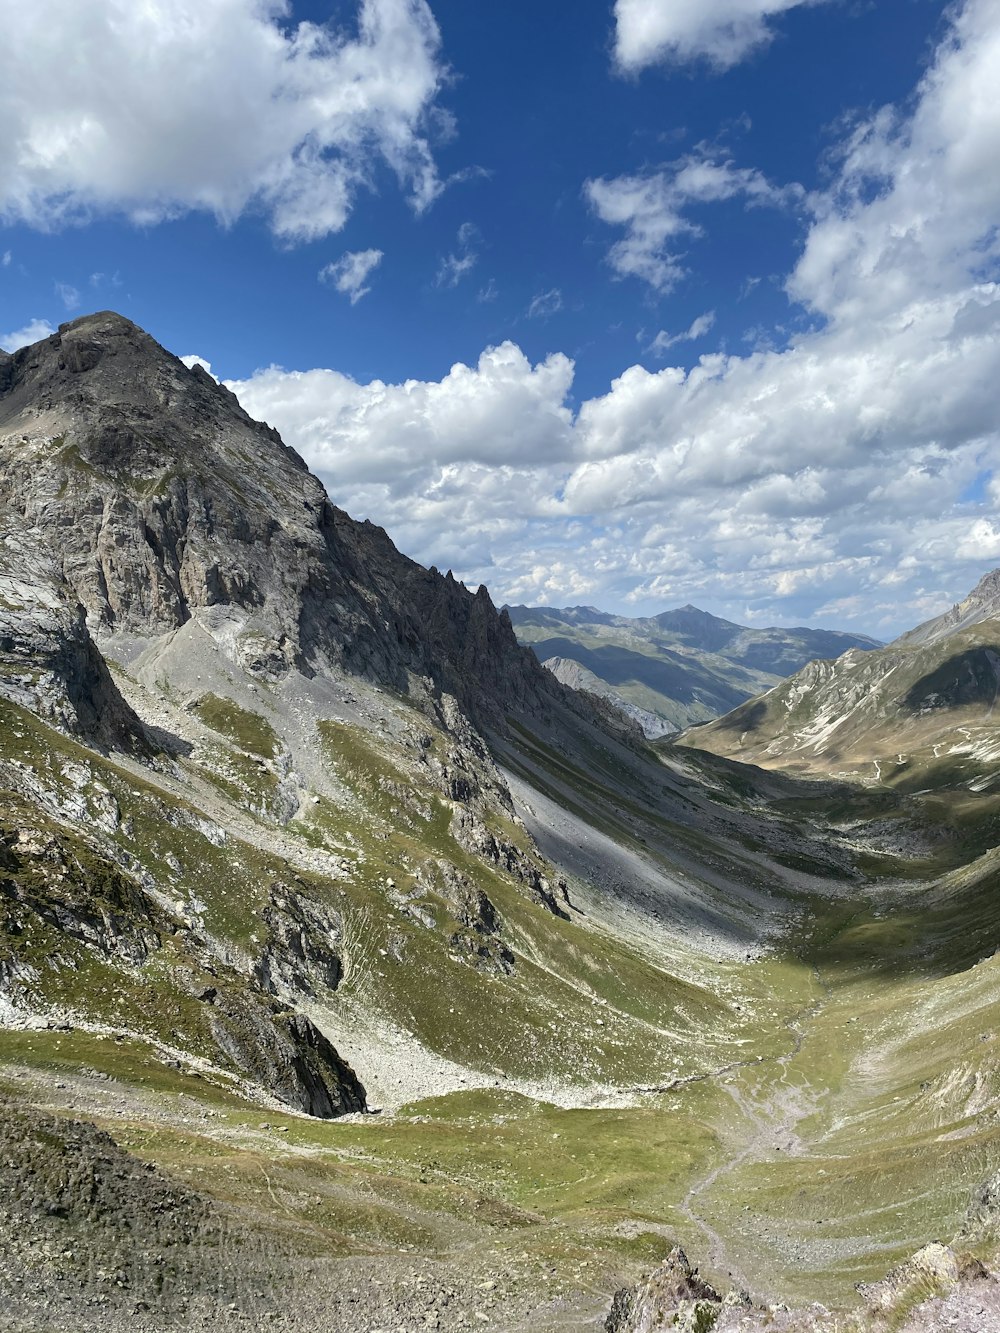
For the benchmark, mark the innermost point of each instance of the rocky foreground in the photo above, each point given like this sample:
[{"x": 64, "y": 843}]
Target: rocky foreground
[{"x": 938, "y": 1288}]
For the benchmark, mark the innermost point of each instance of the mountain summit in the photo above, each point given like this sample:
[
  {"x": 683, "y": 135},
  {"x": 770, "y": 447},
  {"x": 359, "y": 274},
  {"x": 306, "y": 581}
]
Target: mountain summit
[
  {"x": 982, "y": 603},
  {"x": 164, "y": 500}
]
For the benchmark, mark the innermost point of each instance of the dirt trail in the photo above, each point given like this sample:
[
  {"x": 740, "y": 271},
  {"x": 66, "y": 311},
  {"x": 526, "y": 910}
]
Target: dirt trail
[{"x": 771, "y": 1110}]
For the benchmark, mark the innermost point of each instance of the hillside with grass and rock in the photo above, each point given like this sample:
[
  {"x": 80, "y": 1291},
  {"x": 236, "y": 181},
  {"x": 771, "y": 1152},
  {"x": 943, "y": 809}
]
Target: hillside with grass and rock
[{"x": 356, "y": 973}]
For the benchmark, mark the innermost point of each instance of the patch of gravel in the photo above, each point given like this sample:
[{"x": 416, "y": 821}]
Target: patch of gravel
[{"x": 397, "y": 1068}]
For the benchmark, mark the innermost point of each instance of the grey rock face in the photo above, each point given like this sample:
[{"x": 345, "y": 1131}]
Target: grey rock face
[
  {"x": 300, "y": 953},
  {"x": 162, "y": 496},
  {"x": 48, "y": 661},
  {"x": 578, "y": 677},
  {"x": 289, "y": 1056}
]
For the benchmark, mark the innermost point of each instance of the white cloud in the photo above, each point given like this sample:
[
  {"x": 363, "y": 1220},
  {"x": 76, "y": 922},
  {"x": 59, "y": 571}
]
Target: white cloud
[
  {"x": 228, "y": 107},
  {"x": 5, "y": 259},
  {"x": 545, "y": 304},
  {"x": 454, "y": 267},
  {"x": 915, "y": 210},
  {"x": 663, "y": 341},
  {"x": 192, "y": 361},
  {"x": 723, "y": 32},
  {"x": 652, "y": 210},
  {"x": 502, "y": 412},
  {"x": 69, "y": 296},
  {"x": 33, "y": 332},
  {"x": 350, "y": 272},
  {"x": 827, "y": 478}
]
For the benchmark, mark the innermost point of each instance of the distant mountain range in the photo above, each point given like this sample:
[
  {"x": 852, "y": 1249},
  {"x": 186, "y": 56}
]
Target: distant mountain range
[{"x": 676, "y": 669}]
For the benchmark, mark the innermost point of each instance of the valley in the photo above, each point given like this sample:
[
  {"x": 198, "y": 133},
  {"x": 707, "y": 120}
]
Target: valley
[{"x": 419, "y": 990}]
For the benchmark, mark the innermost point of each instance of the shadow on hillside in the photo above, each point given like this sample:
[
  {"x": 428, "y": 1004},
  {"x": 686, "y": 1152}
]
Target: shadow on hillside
[
  {"x": 679, "y": 677},
  {"x": 747, "y": 718},
  {"x": 968, "y": 678},
  {"x": 929, "y": 938},
  {"x": 641, "y": 885},
  {"x": 167, "y": 742}
]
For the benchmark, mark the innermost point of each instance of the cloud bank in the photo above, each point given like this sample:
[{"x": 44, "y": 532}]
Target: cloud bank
[
  {"x": 856, "y": 468},
  {"x": 155, "y": 109}
]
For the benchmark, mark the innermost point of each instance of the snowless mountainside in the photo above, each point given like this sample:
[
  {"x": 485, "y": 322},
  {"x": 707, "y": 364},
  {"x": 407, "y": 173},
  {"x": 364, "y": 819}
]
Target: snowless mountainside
[
  {"x": 675, "y": 669},
  {"x": 917, "y": 713}
]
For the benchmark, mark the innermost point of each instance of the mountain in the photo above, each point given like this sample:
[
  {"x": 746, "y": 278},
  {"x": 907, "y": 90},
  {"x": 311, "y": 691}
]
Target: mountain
[
  {"x": 672, "y": 670},
  {"x": 577, "y": 677},
  {"x": 916, "y": 714},
  {"x": 355, "y": 973},
  {"x": 161, "y": 545}
]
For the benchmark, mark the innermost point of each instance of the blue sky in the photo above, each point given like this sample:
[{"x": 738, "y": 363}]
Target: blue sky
[{"x": 630, "y": 303}]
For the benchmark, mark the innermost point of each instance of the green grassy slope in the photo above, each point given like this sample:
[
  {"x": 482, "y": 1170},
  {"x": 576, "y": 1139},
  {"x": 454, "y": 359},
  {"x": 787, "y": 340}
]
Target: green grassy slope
[{"x": 785, "y": 1060}]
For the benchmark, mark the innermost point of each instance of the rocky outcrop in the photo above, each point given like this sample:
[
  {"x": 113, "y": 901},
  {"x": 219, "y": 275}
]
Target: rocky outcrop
[
  {"x": 286, "y": 1054},
  {"x": 481, "y": 935},
  {"x": 673, "y": 1296},
  {"x": 62, "y": 900},
  {"x": 87, "y": 901},
  {"x": 934, "y": 1290},
  {"x": 300, "y": 954},
  {"x": 474, "y": 836}
]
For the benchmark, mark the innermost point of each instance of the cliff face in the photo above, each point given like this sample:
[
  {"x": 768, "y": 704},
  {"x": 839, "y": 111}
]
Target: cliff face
[
  {"x": 158, "y": 544},
  {"x": 156, "y": 496}
]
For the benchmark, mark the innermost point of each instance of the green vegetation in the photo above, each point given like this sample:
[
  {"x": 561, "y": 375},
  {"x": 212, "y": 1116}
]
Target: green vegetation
[
  {"x": 249, "y": 730},
  {"x": 829, "y": 1106}
]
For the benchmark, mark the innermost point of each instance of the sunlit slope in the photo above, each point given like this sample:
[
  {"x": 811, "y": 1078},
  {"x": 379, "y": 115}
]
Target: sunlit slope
[
  {"x": 828, "y": 1103},
  {"x": 911, "y": 716}
]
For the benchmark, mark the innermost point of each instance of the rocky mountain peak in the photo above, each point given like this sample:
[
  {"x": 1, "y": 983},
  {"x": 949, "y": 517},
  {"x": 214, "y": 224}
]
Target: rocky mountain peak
[
  {"x": 164, "y": 499},
  {"x": 982, "y": 603}
]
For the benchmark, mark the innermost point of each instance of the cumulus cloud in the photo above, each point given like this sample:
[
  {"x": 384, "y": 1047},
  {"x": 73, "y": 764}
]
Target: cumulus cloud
[
  {"x": 33, "y": 332},
  {"x": 450, "y": 467},
  {"x": 648, "y": 32},
  {"x": 653, "y": 209},
  {"x": 349, "y": 273},
  {"x": 663, "y": 341},
  {"x": 156, "y": 109},
  {"x": 5, "y": 259},
  {"x": 852, "y": 474}
]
